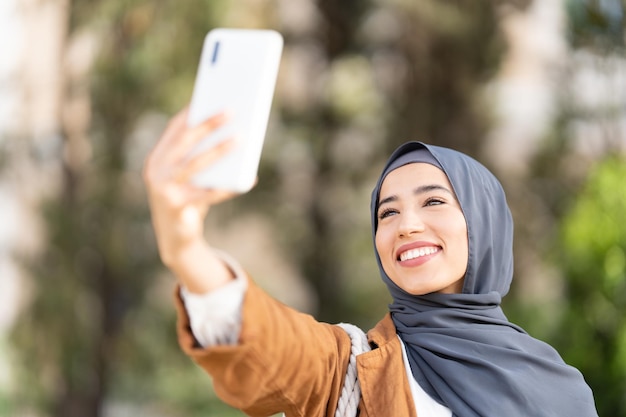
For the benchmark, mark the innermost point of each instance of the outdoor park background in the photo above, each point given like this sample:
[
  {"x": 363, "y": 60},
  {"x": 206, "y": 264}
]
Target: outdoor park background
[{"x": 534, "y": 89}]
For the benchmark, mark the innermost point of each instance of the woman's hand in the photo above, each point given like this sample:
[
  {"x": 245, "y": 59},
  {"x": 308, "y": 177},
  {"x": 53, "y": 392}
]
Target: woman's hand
[{"x": 178, "y": 208}]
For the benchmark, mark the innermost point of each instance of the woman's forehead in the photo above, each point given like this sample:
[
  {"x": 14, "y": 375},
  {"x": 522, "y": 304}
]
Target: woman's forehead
[{"x": 411, "y": 176}]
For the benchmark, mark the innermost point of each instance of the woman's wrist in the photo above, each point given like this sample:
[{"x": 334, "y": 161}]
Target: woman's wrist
[{"x": 199, "y": 268}]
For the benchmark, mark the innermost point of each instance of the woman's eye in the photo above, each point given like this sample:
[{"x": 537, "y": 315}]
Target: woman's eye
[
  {"x": 433, "y": 202},
  {"x": 386, "y": 213}
]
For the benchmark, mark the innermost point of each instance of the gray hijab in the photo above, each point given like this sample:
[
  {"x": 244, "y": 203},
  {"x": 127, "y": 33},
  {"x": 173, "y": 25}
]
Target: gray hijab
[{"x": 462, "y": 349}]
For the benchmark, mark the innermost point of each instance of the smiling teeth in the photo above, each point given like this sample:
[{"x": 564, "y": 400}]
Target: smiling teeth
[{"x": 416, "y": 253}]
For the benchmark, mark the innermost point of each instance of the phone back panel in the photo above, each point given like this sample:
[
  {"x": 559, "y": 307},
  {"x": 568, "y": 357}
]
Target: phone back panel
[{"x": 237, "y": 74}]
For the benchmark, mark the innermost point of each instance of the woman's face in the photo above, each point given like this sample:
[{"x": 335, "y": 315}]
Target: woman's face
[{"x": 422, "y": 234}]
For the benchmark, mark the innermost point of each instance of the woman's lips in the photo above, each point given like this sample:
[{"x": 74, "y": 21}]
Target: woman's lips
[{"x": 416, "y": 253}]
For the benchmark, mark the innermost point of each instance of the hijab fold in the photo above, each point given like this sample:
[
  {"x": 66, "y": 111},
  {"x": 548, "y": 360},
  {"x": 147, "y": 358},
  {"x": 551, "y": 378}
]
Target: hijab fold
[{"x": 462, "y": 349}]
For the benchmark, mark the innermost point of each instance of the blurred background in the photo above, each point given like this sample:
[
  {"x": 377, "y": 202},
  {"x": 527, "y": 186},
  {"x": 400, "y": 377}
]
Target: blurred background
[{"x": 536, "y": 90}]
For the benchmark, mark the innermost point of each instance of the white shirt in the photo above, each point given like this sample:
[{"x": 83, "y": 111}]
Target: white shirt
[
  {"x": 424, "y": 403},
  {"x": 215, "y": 316}
]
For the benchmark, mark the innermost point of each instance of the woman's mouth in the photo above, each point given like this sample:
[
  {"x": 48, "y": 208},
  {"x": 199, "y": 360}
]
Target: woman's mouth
[{"x": 418, "y": 253}]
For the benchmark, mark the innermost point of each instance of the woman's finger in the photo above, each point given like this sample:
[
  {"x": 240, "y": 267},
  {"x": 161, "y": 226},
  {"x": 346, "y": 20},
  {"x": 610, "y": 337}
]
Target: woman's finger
[
  {"x": 193, "y": 135},
  {"x": 172, "y": 132},
  {"x": 155, "y": 161},
  {"x": 179, "y": 139},
  {"x": 202, "y": 160}
]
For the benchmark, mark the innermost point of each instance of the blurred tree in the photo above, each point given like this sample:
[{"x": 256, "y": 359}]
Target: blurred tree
[
  {"x": 596, "y": 24},
  {"x": 89, "y": 333},
  {"x": 592, "y": 250},
  {"x": 583, "y": 208}
]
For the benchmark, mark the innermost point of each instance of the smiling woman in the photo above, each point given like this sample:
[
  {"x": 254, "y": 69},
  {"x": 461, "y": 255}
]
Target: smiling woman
[
  {"x": 421, "y": 238},
  {"x": 443, "y": 235}
]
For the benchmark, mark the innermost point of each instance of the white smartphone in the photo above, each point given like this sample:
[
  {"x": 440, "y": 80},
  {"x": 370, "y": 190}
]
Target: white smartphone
[{"x": 237, "y": 74}]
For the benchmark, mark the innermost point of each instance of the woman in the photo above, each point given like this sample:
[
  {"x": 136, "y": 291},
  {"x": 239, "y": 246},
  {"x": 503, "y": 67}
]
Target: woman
[{"x": 443, "y": 236}]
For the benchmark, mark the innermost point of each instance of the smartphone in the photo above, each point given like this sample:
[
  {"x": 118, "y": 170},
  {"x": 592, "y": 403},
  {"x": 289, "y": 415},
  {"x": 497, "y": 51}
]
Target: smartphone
[{"x": 237, "y": 74}]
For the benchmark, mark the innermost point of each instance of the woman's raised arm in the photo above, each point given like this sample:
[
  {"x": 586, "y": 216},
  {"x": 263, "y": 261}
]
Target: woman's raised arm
[{"x": 178, "y": 209}]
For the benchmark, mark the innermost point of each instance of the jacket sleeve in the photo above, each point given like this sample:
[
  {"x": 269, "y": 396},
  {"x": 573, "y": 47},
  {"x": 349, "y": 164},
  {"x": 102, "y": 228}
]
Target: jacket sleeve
[{"x": 284, "y": 361}]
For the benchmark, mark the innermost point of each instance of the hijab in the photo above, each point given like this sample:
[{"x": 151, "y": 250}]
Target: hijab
[{"x": 462, "y": 349}]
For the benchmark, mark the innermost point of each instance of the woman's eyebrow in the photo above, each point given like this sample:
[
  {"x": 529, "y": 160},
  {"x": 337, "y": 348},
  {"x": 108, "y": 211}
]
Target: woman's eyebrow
[
  {"x": 419, "y": 190},
  {"x": 431, "y": 187}
]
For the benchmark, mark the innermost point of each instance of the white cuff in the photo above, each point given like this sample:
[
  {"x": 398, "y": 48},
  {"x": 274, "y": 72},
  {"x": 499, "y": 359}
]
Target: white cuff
[{"x": 215, "y": 316}]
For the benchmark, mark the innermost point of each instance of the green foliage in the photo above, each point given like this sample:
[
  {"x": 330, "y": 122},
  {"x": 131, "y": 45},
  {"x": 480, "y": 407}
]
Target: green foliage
[
  {"x": 593, "y": 255},
  {"x": 597, "y": 24}
]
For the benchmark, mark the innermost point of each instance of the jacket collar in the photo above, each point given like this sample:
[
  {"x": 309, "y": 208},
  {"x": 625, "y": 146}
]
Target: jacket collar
[
  {"x": 383, "y": 333},
  {"x": 382, "y": 375}
]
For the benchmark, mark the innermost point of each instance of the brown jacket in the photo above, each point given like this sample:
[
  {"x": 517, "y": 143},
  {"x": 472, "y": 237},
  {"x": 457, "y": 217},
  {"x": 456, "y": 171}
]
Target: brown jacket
[{"x": 286, "y": 361}]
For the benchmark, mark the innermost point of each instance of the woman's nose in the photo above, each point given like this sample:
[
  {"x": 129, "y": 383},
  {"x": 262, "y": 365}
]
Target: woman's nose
[{"x": 410, "y": 223}]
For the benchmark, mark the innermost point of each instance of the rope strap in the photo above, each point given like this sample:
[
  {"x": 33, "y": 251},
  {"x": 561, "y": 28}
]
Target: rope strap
[{"x": 351, "y": 393}]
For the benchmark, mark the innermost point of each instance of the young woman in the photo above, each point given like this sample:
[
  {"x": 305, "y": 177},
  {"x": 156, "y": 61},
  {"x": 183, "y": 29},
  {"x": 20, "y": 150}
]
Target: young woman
[{"x": 443, "y": 237}]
